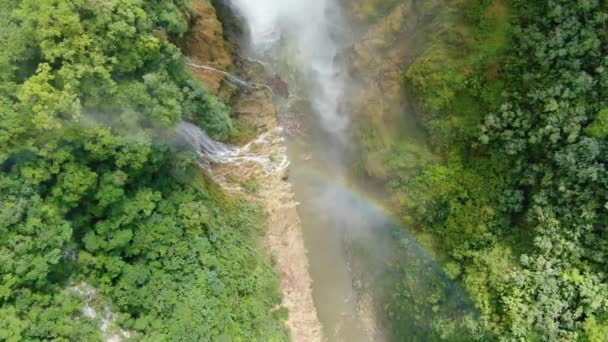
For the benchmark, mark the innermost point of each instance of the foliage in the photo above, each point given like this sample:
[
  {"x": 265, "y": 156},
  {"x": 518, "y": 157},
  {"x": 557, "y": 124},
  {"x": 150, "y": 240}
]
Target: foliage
[
  {"x": 513, "y": 96},
  {"x": 91, "y": 191},
  {"x": 530, "y": 182},
  {"x": 599, "y": 127}
]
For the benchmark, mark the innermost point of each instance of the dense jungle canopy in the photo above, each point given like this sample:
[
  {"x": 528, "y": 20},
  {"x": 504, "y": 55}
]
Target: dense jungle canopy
[
  {"x": 93, "y": 198},
  {"x": 107, "y": 228},
  {"x": 513, "y": 96}
]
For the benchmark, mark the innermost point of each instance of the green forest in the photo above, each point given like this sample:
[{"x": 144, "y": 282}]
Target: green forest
[
  {"x": 93, "y": 195},
  {"x": 107, "y": 228},
  {"x": 513, "y": 97}
]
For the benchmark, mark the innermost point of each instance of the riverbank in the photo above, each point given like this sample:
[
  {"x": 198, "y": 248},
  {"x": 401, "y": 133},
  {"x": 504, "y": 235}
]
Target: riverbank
[{"x": 254, "y": 114}]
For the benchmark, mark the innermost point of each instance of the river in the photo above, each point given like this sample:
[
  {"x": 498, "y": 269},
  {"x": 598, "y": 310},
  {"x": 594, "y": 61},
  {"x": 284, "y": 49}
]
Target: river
[{"x": 371, "y": 280}]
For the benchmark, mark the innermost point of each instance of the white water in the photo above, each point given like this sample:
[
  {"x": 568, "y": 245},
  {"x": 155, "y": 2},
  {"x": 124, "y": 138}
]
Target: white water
[
  {"x": 108, "y": 318},
  {"x": 215, "y": 152},
  {"x": 310, "y": 27}
]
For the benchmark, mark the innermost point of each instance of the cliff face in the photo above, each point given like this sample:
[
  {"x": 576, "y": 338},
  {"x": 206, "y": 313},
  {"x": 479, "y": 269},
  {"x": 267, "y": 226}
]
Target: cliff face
[
  {"x": 385, "y": 123},
  {"x": 205, "y": 45}
]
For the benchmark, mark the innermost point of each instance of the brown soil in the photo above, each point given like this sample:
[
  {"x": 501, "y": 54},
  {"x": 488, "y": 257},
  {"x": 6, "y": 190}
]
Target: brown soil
[
  {"x": 286, "y": 243},
  {"x": 205, "y": 45}
]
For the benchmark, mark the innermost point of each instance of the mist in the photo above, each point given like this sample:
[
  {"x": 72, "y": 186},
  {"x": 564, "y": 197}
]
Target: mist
[{"x": 315, "y": 30}]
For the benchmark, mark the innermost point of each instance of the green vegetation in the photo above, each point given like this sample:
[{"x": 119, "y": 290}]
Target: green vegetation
[
  {"x": 92, "y": 193},
  {"x": 514, "y": 97}
]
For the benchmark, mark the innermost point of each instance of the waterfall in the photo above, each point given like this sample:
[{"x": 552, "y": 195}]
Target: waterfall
[
  {"x": 194, "y": 137},
  {"x": 257, "y": 152},
  {"x": 311, "y": 26}
]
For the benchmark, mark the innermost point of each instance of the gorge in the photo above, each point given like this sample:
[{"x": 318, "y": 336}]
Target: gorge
[
  {"x": 320, "y": 170},
  {"x": 350, "y": 239}
]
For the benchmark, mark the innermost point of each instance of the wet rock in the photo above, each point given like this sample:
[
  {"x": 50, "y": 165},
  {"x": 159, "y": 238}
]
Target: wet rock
[
  {"x": 285, "y": 175},
  {"x": 279, "y": 87},
  {"x": 292, "y": 123}
]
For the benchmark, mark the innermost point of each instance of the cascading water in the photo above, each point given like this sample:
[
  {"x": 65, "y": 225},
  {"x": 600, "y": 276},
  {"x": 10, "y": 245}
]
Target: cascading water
[
  {"x": 215, "y": 152},
  {"x": 303, "y": 40},
  {"x": 198, "y": 140}
]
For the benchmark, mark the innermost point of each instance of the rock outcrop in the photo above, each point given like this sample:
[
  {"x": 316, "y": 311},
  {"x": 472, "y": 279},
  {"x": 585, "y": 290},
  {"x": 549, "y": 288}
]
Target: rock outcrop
[
  {"x": 205, "y": 45},
  {"x": 384, "y": 114}
]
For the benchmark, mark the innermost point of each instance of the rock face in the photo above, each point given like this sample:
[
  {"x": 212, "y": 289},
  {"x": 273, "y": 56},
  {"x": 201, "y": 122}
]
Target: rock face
[
  {"x": 270, "y": 189},
  {"x": 384, "y": 113},
  {"x": 380, "y": 55},
  {"x": 205, "y": 45}
]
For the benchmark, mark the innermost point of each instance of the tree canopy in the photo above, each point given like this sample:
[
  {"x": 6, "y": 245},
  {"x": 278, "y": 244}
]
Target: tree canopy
[
  {"x": 92, "y": 192},
  {"x": 531, "y": 180},
  {"x": 513, "y": 95}
]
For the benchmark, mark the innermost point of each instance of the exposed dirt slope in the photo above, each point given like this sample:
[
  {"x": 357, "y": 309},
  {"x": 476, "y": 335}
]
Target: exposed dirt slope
[{"x": 205, "y": 45}]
